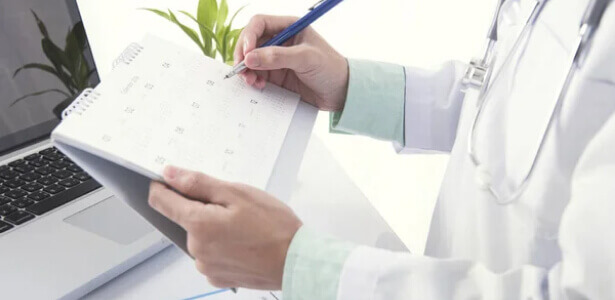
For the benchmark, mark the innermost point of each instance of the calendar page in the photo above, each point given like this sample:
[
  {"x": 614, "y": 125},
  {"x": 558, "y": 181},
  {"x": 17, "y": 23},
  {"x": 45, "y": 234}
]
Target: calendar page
[{"x": 165, "y": 105}]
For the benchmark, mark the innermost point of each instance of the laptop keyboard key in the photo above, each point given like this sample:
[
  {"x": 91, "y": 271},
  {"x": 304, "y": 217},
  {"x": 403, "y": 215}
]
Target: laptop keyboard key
[
  {"x": 38, "y": 196},
  {"x": 22, "y": 203},
  {"x": 17, "y": 163},
  {"x": 24, "y": 168},
  {"x": 15, "y": 194},
  {"x": 8, "y": 174},
  {"x": 5, "y": 200},
  {"x": 32, "y": 157},
  {"x": 19, "y": 217},
  {"x": 4, "y": 168},
  {"x": 47, "y": 180},
  {"x": 3, "y": 189},
  {"x": 74, "y": 168},
  {"x": 7, "y": 209},
  {"x": 38, "y": 163},
  {"x": 15, "y": 183},
  {"x": 60, "y": 164},
  {"x": 5, "y": 226},
  {"x": 45, "y": 170},
  {"x": 82, "y": 176},
  {"x": 69, "y": 182},
  {"x": 62, "y": 174},
  {"x": 29, "y": 177},
  {"x": 32, "y": 187},
  {"x": 54, "y": 189},
  {"x": 48, "y": 151},
  {"x": 53, "y": 156},
  {"x": 63, "y": 197}
]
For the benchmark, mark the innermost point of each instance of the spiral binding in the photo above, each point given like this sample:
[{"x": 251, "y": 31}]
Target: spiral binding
[
  {"x": 129, "y": 54},
  {"x": 81, "y": 103}
]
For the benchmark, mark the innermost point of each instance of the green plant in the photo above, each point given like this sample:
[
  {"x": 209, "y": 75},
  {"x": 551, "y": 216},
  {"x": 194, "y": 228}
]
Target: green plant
[
  {"x": 68, "y": 65},
  {"x": 215, "y": 36}
]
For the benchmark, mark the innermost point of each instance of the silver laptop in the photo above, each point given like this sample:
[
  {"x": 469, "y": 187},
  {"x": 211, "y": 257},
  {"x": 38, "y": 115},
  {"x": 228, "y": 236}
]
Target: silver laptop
[{"x": 61, "y": 234}]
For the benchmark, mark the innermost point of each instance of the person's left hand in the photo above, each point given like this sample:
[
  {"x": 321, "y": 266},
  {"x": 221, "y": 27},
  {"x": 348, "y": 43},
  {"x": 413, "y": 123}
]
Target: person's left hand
[{"x": 238, "y": 235}]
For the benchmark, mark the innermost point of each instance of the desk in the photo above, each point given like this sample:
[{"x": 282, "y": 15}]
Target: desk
[{"x": 324, "y": 198}]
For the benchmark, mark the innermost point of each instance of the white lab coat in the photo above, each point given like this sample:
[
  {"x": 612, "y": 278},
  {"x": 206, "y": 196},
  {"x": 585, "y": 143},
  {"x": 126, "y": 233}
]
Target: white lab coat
[{"x": 556, "y": 240}]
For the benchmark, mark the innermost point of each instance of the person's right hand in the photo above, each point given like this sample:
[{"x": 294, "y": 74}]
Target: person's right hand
[{"x": 306, "y": 64}]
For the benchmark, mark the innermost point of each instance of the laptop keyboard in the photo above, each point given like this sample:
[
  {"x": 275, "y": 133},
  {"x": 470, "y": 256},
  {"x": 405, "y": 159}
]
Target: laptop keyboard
[{"x": 37, "y": 184}]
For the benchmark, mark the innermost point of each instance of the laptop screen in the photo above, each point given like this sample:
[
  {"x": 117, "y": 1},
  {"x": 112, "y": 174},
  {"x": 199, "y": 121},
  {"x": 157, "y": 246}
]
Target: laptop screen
[{"x": 45, "y": 62}]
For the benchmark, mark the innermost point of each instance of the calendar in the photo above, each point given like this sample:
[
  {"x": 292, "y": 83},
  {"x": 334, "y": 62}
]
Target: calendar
[{"x": 164, "y": 105}]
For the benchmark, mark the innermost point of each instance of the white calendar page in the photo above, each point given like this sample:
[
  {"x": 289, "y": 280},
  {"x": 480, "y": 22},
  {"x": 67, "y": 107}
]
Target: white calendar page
[{"x": 170, "y": 106}]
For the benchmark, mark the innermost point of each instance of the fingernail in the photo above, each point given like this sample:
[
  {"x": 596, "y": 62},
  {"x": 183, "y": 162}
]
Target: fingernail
[
  {"x": 170, "y": 172},
  {"x": 253, "y": 60}
]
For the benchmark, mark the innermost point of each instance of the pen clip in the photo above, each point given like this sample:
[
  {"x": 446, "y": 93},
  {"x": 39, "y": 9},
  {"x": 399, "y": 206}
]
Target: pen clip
[{"x": 316, "y": 5}]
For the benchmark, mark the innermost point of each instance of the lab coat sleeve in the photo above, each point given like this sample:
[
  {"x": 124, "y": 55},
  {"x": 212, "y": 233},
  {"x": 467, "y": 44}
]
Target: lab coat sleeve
[
  {"x": 374, "y": 104},
  {"x": 586, "y": 271},
  {"x": 418, "y": 110}
]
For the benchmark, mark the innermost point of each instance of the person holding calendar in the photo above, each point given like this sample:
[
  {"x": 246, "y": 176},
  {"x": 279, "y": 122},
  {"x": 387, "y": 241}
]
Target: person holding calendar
[{"x": 526, "y": 205}]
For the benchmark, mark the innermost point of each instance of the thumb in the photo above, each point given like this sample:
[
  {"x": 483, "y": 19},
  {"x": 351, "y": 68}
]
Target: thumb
[
  {"x": 194, "y": 185},
  {"x": 297, "y": 58}
]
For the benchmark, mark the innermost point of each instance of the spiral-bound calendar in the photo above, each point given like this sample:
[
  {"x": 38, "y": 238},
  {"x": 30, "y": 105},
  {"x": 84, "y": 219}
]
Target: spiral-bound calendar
[{"x": 165, "y": 105}]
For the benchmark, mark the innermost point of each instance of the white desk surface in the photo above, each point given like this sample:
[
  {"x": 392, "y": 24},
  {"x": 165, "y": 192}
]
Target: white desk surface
[{"x": 420, "y": 33}]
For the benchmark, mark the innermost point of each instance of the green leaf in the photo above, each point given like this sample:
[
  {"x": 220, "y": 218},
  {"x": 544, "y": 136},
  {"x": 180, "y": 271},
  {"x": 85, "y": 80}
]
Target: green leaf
[
  {"x": 42, "y": 67},
  {"x": 55, "y": 54},
  {"x": 57, "y": 59},
  {"x": 233, "y": 37},
  {"x": 158, "y": 12},
  {"x": 207, "y": 33},
  {"x": 189, "y": 31},
  {"x": 222, "y": 15},
  {"x": 207, "y": 12},
  {"x": 41, "y": 25},
  {"x": 78, "y": 37},
  {"x": 37, "y": 94}
]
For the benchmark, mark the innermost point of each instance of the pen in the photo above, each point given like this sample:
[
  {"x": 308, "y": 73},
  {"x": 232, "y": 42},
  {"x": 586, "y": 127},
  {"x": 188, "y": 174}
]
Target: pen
[{"x": 315, "y": 13}]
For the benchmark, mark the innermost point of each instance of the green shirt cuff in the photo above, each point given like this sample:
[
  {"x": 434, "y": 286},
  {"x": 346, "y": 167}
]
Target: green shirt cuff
[
  {"x": 375, "y": 102},
  {"x": 313, "y": 266}
]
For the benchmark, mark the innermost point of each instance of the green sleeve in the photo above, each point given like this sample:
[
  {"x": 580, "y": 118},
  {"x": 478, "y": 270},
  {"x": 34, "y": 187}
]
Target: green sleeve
[
  {"x": 375, "y": 102},
  {"x": 313, "y": 266}
]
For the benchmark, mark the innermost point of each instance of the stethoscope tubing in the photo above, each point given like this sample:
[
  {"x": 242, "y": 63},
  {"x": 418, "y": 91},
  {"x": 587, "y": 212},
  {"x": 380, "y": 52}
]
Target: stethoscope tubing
[{"x": 590, "y": 22}]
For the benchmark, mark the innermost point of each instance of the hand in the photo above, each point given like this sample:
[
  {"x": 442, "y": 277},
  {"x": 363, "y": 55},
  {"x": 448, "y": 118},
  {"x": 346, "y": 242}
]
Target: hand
[
  {"x": 306, "y": 64},
  {"x": 238, "y": 235}
]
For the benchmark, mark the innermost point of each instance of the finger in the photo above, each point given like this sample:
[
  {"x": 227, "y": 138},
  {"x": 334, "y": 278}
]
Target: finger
[
  {"x": 260, "y": 83},
  {"x": 221, "y": 282},
  {"x": 194, "y": 185},
  {"x": 259, "y": 26},
  {"x": 178, "y": 209},
  {"x": 297, "y": 58},
  {"x": 250, "y": 77}
]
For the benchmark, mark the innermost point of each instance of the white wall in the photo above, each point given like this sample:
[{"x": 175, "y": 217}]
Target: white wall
[{"x": 421, "y": 33}]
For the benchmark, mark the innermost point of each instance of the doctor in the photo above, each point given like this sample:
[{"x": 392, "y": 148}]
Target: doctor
[{"x": 526, "y": 207}]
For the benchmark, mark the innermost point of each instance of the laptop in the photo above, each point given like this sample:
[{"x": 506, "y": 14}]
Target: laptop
[{"x": 61, "y": 234}]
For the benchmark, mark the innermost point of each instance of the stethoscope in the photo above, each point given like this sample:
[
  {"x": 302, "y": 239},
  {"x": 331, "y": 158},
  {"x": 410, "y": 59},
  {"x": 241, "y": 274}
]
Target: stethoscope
[{"x": 478, "y": 76}]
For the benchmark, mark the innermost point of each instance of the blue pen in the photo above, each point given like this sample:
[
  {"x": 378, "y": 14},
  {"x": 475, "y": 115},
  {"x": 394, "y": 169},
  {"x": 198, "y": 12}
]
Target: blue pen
[{"x": 316, "y": 12}]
